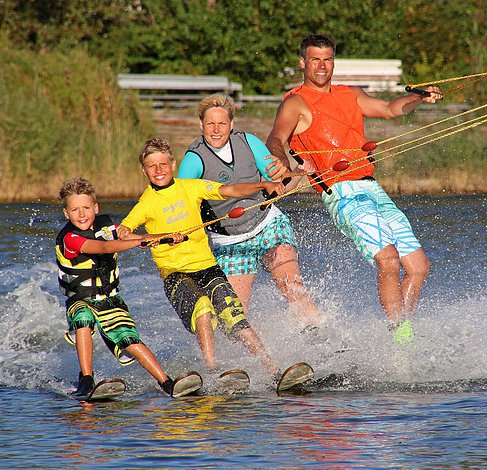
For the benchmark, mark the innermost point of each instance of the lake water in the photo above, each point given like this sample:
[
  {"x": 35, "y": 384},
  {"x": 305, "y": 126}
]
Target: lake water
[{"x": 417, "y": 406}]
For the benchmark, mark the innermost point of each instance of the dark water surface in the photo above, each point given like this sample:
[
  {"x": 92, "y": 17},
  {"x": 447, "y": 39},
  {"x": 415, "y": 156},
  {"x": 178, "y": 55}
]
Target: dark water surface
[{"x": 416, "y": 406}]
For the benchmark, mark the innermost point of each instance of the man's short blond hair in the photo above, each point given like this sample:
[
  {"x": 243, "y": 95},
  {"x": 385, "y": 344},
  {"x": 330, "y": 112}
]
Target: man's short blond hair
[
  {"x": 155, "y": 145},
  {"x": 76, "y": 186},
  {"x": 218, "y": 100}
]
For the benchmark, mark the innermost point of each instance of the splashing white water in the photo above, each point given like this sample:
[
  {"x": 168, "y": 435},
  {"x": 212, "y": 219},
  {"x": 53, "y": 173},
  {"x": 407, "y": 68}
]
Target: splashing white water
[{"x": 448, "y": 343}]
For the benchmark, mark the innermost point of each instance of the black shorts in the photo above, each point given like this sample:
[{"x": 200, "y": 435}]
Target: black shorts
[{"x": 205, "y": 291}]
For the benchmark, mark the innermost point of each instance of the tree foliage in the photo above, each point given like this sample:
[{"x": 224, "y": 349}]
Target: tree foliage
[{"x": 254, "y": 41}]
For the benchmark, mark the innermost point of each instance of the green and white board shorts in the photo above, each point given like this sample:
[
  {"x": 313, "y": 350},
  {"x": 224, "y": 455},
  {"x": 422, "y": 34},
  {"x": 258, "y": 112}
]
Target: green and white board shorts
[
  {"x": 363, "y": 212},
  {"x": 112, "y": 317}
]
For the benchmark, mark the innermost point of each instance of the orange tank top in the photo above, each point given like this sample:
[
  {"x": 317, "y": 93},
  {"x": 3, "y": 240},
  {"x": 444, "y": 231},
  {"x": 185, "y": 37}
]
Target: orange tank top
[{"x": 337, "y": 122}]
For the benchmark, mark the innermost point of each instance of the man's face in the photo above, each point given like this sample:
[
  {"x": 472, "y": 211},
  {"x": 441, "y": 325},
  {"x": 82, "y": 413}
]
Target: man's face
[
  {"x": 317, "y": 66},
  {"x": 159, "y": 168},
  {"x": 216, "y": 127}
]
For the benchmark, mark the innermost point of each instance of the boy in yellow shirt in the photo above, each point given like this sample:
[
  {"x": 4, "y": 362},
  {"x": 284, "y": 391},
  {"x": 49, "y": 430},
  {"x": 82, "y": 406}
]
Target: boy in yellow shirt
[{"x": 193, "y": 282}]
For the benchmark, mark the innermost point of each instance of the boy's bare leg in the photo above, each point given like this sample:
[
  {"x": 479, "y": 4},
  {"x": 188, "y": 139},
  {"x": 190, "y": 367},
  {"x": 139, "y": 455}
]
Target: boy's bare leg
[
  {"x": 147, "y": 360},
  {"x": 84, "y": 348},
  {"x": 253, "y": 343},
  {"x": 206, "y": 339},
  {"x": 400, "y": 298},
  {"x": 282, "y": 263}
]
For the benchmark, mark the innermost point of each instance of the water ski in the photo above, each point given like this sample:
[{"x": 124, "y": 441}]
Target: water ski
[
  {"x": 185, "y": 384},
  {"x": 330, "y": 381},
  {"x": 105, "y": 390},
  {"x": 233, "y": 381},
  {"x": 294, "y": 376}
]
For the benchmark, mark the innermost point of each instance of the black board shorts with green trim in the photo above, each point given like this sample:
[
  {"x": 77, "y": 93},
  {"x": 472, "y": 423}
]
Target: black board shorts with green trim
[
  {"x": 200, "y": 292},
  {"x": 113, "y": 320}
]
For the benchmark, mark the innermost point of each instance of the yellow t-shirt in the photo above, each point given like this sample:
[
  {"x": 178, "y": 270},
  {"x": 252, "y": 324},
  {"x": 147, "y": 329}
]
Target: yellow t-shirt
[{"x": 174, "y": 209}]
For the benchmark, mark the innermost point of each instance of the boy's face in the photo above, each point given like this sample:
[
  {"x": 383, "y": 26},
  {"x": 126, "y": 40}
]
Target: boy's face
[
  {"x": 81, "y": 211},
  {"x": 159, "y": 168}
]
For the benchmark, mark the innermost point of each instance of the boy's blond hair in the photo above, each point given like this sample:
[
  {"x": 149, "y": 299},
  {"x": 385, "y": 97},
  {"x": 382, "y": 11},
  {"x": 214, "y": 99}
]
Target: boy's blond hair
[
  {"x": 218, "y": 100},
  {"x": 76, "y": 186},
  {"x": 155, "y": 145}
]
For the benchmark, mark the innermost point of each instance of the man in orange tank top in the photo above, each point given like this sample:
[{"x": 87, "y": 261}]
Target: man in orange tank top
[{"x": 320, "y": 116}]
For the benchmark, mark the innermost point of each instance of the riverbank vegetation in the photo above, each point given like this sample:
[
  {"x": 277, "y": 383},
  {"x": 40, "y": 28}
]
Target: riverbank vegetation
[
  {"x": 62, "y": 114},
  {"x": 256, "y": 43},
  {"x": 454, "y": 164}
]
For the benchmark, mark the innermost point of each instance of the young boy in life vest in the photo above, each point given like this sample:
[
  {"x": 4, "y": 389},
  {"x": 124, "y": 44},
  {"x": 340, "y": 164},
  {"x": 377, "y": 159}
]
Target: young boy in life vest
[
  {"x": 86, "y": 250},
  {"x": 193, "y": 282}
]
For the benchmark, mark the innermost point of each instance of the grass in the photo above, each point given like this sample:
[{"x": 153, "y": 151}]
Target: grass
[
  {"x": 454, "y": 164},
  {"x": 62, "y": 115}
]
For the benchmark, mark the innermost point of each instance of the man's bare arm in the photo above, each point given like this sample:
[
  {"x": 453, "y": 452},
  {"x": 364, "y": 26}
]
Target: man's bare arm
[
  {"x": 289, "y": 115},
  {"x": 377, "y": 108}
]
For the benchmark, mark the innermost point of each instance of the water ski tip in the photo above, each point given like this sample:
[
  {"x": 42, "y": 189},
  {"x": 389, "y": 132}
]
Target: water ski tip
[
  {"x": 105, "y": 390},
  {"x": 233, "y": 381},
  {"x": 294, "y": 376},
  {"x": 186, "y": 384}
]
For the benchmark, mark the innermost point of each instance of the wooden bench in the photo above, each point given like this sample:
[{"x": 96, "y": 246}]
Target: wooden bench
[
  {"x": 373, "y": 75},
  {"x": 178, "y": 90}
]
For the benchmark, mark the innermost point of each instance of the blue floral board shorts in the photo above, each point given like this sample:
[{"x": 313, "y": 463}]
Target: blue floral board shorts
[
  {"x": 363, "y": 212},
  {"x": 246, "y": 257}
]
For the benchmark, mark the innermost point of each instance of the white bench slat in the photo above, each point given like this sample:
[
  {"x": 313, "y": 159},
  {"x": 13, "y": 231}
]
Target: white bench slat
[
  {"x": 177, "y": 82},
  {"x": 371, "y": 74}
]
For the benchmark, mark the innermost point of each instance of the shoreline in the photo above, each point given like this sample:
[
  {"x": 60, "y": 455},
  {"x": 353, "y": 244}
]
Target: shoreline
[
  {"x": 181, "y": 127},
  {"x": 426, "y": 187}
]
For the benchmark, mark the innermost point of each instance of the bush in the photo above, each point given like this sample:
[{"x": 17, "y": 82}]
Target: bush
[{"x": 62, "y": 115}]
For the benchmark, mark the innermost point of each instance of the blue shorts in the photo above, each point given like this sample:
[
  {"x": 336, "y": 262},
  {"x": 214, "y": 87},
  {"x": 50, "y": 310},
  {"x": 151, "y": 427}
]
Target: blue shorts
[
  {"x": 246, "y": 257},
  {"x": 363, "y": 212}
]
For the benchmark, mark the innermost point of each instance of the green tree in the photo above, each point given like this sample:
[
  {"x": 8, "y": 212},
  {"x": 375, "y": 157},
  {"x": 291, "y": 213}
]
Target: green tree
[{"x": 255, "y": 41}]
